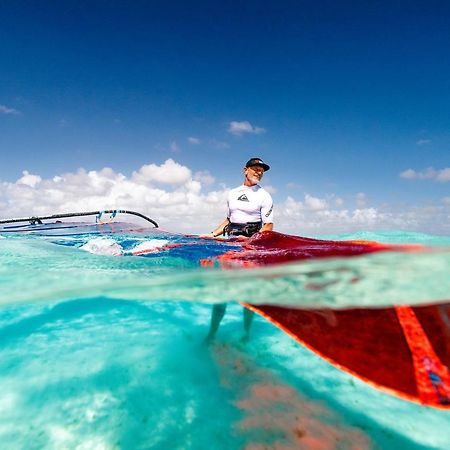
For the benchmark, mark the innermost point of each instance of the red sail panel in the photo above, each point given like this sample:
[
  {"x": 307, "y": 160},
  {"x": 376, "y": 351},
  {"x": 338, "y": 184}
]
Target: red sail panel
[
  {"x": 368, "y": 343},
  {"x": 431, "y": 374},
  {"x": 271, "y": 247}
]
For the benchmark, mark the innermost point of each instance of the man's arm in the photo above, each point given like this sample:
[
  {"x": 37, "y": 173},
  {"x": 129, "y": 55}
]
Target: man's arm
[
  {"x": 267, "y": 227},
  {"x": 218, "y": 231},
  {"x": 267, "y": 213}
]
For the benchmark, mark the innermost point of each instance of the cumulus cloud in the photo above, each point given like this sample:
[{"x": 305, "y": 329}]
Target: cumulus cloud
[
  {"x": 6, "y": 110},
  {"x": 315, "y": 216},
  {"x": 239, "y": 128},
  {"x": 204, "y": 177},
  {"x": 315, "y": 203},
  {"x": 441, "y": 175},
  {"x": 183, "y": 201},
  {"x": 29, "y": 179},
  {"x": 295, "y": 217},
  {"x": 169, "y": 172},
  {"x": 193, "y": 140}
]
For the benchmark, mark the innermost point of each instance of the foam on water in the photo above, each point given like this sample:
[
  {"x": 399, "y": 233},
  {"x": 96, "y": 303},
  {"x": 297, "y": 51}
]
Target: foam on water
[
  {"x": 112, "y": 366},
  {"x": 102, "y": 246}
]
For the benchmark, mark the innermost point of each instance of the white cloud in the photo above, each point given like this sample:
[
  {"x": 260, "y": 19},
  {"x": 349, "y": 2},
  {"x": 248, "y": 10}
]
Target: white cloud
[
  {"x": 442, "y": 175},
  {"x": 29, "y": 179},
  {"x": 169, "y": 172},
  {"x": 315, "y": 203},
  {"x": 409, "y": 174},
  {"x": 194, "y": 140},
  {"x": 423, "y": 142},
  {"x": 296, "y": 217},
  {"x": 446, "y": 200},
  {"x": 6, "y": 110},
  {"x": 299, "y": 220},
  {"x": 365, "y": 216},
  {"x": 204, "y": 177},
  {"x": 239, "y": 128}
]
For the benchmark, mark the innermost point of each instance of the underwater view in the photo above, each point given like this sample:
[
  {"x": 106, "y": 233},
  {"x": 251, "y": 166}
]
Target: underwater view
[
  {"x": 104, "y": 340},
  {"x": 292, "y": 288}
]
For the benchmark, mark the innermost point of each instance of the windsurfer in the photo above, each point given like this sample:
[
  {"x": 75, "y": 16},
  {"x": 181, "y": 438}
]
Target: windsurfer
[
  {"x": 250, "y": 207},
  {"x": 250, "y": 210}
]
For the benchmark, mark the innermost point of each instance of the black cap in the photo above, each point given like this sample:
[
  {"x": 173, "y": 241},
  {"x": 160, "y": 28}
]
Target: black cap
[{"x": 257, "y": 162}]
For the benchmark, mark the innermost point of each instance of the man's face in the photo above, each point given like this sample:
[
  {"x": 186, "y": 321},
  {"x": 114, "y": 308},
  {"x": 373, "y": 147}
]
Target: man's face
[{"x": 254, "y": 174}]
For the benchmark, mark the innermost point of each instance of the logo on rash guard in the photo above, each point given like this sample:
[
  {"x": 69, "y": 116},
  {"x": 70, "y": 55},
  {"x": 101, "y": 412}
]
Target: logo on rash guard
[
  {"x": 268, "y": 212},
  {"x": 243, "y": 198}
]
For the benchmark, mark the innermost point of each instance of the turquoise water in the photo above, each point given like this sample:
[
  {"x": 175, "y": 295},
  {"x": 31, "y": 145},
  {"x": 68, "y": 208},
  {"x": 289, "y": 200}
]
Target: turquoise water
[{"x": 101, "y": 351}]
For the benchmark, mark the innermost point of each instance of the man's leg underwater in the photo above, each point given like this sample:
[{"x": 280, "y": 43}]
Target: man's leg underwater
[
  {"x": 248, "y": 320},
  {"x": 217, "y": 314}
]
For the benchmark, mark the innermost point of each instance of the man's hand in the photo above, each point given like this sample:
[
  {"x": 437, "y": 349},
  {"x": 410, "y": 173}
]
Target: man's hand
[{"x": 207, "y": 235}]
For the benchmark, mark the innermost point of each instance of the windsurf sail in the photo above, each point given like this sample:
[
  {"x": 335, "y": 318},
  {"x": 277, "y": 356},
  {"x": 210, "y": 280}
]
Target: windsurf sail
[
  {"x": 104, "y": 223},
  {"x": 403, "y": 350},
  {"x": 37, "y": 220}
]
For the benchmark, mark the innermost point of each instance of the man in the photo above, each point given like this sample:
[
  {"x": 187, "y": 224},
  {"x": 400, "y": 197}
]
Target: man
[
  {"x": 250, "y": 210},
  {"x": 250, "y": 207}
]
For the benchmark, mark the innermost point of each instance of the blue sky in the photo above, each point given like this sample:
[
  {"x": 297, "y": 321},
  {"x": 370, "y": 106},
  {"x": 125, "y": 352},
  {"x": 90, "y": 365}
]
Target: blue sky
[{"x": 341, "y": 98}]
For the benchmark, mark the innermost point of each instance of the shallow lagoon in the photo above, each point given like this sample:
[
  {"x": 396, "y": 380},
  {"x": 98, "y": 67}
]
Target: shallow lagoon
[{"x": 101, "y": 352}]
